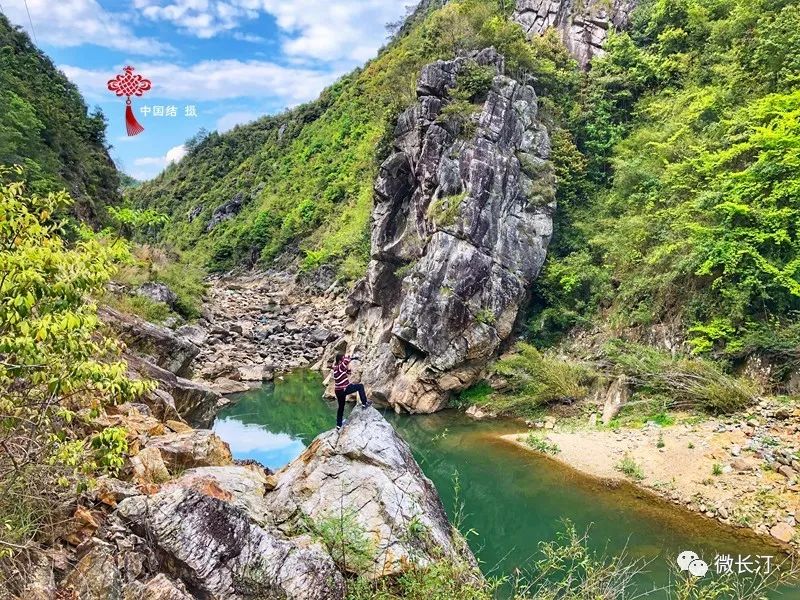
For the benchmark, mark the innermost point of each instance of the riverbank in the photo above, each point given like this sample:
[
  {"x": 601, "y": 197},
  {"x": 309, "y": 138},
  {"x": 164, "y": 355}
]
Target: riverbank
[{"x": 710, "y": 467}]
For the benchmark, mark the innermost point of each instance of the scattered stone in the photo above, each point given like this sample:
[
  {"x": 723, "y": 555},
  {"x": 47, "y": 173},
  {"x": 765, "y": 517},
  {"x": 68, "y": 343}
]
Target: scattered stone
[
  {"x": 96, "y": 576},
  {"x": 256, "y": 373},
  {"x": 149, "y": 467},
  {"x": 477, "y": 413},
  {"x": 786, "y": 471},
  {"x": 223, "y": 385},
  {"x": 736, "y": 450},
  {"x": 194, "y": 333},
  {"x": 783, "y": 532},
  {"x": 157, "y": 292},
  {"x": 159, "y": 587},
  {"x": 178, "y": 426}
]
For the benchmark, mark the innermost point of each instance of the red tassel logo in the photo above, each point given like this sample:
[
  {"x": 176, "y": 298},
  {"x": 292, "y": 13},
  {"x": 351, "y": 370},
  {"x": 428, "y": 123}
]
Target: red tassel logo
[{"x": 129, "y": 85}]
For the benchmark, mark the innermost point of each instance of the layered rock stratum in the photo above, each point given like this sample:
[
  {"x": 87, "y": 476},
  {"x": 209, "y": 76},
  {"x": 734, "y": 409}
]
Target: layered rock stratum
[
  {"x": 582, "y": 25},
  {"x": 462, "y": 219}
]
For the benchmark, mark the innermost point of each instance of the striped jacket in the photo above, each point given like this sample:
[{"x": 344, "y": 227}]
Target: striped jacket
[{"x": 341, "y": 374}]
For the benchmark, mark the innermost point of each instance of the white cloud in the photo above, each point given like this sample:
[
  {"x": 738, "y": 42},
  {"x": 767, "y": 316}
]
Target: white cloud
[
  {"x": 175, "y": 154},
  {"x": 329, "y": 31},
  {"x": 147, "y": 167},
  {"x": 249, "y": 37},
  {"x": 232, "y": 119},
  {"x": 215, "y": 80},
  {"x": 70, "y": 23}
]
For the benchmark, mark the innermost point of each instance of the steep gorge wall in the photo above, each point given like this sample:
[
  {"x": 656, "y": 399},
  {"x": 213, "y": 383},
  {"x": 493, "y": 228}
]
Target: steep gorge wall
[
  {"x": 460, "y": 228},
  {"x": 582, "y": 24}
]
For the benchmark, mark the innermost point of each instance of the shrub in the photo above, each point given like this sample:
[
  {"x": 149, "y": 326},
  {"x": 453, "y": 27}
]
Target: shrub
[
  {"x": 542, "y": 444},
  {"x": 537, "y": 378},
  {"x": 687, "y": 382},
  {"x": 56, "y": 368},
  {"x": 345, "y": 539}
]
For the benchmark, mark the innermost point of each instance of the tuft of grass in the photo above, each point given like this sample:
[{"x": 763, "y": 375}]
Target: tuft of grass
[
  {"x": 630, "y": 468},
  {"x": 716, "y": 469},
  {"x": 542, "y": 444},
  {"x": 688, "y": 382},
  {"x": 660, "y": 441}
]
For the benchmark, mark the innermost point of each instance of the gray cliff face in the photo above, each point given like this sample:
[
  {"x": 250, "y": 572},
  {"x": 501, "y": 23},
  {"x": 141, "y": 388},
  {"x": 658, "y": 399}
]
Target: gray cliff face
[
  {"x": 583, "y": 25},
  {"x": 461, "y": 223}
]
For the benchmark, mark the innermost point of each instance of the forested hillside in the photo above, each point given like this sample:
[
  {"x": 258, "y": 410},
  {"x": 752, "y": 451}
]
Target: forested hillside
[
  {"x": 684, "y": 206},
  {"x": 304, "y": 178},
  {"x": 46, "y": 128},
  {"x": 677, "y": 156}
]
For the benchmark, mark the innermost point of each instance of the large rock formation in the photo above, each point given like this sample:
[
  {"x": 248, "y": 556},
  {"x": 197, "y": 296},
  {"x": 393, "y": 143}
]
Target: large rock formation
[
  {"x": 462, "y": 220},
  {"x": 583, "y": 25},
  {"x": 368, "y": 471},
  {"x": 237, "y": 532}
]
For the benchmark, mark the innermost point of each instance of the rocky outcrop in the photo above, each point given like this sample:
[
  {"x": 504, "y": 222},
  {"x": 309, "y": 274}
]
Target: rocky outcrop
[
  {"x": 461, "y": 223},
  {"x": 154, "y": 343},
  {"x": 226, "y": 210},
  {"x": 194, "y": 401},
  {"x": 583, "y": 26},
  {"x": 157, "y": 292},
  {"x": 369, "y": 470},
  {"x": 230, "y": 532},
  {"x": 221, "y": 553}
]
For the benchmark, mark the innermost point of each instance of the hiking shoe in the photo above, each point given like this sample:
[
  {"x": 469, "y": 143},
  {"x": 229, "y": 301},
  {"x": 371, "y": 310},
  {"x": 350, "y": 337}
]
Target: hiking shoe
[{"x": 367, "y": 405}]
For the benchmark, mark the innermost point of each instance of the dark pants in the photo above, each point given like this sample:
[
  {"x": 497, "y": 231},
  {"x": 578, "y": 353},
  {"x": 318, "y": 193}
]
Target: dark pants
[{"x": 341, "y": 396}]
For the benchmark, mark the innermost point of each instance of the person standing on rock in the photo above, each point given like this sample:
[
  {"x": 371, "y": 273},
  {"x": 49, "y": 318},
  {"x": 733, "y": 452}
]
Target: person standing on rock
[{"x": 343, "y": 387}]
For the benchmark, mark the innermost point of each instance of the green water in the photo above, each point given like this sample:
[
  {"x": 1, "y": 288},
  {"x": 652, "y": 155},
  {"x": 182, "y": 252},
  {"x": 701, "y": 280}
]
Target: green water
[{"x": 513, "y": 498}]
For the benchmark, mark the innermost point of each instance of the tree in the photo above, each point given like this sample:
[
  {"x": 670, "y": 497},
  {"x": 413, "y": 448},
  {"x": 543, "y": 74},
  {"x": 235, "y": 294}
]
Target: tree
[{"x": 57, "y": 369}]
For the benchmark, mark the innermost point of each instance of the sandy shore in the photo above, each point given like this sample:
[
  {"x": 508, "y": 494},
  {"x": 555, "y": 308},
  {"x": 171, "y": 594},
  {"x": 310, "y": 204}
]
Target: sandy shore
[{"x": 697, "y": 466}]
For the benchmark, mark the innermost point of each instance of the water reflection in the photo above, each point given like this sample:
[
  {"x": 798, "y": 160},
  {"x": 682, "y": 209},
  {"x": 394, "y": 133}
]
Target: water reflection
[{"x": 250, "y": 441}]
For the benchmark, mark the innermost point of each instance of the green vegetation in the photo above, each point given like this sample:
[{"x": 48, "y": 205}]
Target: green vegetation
[
  {"x": 45, "y": 127},
  {"x": 535, "y": 379},
  {"x": 716, "y": 469},
  {"x": 57, "y": 371},
  {"x": 565, "y": 568},
  {"x": 680, "y": 381},
  {"x": 542, "y": 444},
  {"x": 630, "y": 468},
  {"x": 148, "y": 263},
  {"x": 306, "y": 176},
  {"x": 683, "y": 196},
  {"x": 444, "y": 211},
  {"x": 345, "y": 539}
]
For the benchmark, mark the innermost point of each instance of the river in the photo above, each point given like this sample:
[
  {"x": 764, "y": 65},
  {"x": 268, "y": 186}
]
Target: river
[{"x": 512, "y": 499}]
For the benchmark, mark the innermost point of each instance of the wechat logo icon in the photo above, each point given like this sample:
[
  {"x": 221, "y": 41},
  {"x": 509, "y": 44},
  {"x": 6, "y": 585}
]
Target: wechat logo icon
[{"x": 689, "y": 561}]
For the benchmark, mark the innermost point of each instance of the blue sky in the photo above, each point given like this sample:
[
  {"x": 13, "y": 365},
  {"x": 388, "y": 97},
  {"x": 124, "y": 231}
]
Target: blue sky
[{"x": 233, "y": 60}]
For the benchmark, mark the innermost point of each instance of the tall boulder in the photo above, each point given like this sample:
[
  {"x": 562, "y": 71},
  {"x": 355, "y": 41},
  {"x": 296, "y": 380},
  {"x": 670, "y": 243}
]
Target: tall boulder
[
  {"x": 462, "y": 219},
  {"x": 367, "y": 471},
  {"x": 583, "y": 26}
]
